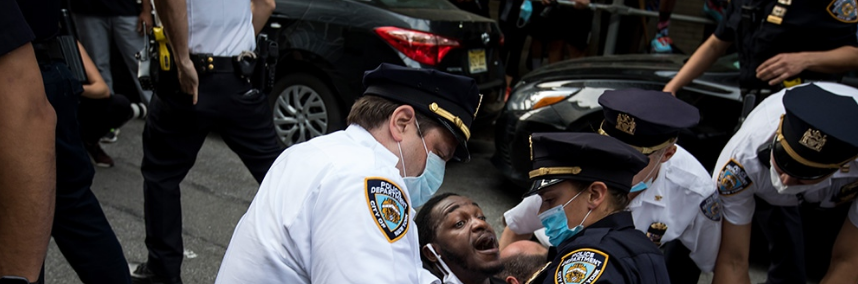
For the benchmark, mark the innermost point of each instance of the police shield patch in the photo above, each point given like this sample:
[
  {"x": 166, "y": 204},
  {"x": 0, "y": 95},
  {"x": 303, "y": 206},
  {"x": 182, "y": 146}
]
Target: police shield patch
[
  {"x": 581, "y": 266},
  {"x": 843, "y": 10},
  {"x": 733, "y": 178},
  {"x": 388, "y": 207},
  {"x": 711, "y": 207}
]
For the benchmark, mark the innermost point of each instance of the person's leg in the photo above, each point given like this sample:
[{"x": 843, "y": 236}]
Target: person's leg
[
  {"x": 129, "y": 42},
  {"x": 95, "y": 36},
  {"x": 80, "y": 228},
  {"x": 247, "y": 127},
  {"x": 173, "y": 135},
  {"x": 782, "y": 228},
  {"x": 661, "y": 43}
]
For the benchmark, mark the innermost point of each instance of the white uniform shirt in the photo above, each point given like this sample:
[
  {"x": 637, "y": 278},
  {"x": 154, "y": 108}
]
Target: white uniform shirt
[
  {"x": 330, "y": 210},
  {"x": 740, "y": 175},
  {"x": 682, "y": 198},
  {"x": 220, "y": 27}
]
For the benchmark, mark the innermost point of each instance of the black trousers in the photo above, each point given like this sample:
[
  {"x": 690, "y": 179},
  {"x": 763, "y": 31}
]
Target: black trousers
[
  {"x": 80, "y": 228},
  {"x": 782, "y": 227},
  {"x": 175, "y": 131},
  {"x": 98, "y": 116}
]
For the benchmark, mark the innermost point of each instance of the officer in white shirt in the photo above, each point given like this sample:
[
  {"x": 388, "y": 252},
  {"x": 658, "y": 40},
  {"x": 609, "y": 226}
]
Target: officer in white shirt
[
  {"x": 203, "y": 88},
  {"x": 339, "y": 208},
  {"x": 673, "y": 198},
  {"x": 796, "y": 148}
]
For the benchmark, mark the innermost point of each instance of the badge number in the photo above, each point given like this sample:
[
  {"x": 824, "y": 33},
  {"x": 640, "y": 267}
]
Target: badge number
[{"x": 388, "y": 207}]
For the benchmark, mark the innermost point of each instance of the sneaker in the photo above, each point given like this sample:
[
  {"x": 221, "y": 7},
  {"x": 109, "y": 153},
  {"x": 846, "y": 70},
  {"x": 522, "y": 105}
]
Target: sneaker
[
  {"x": 139, "y": 110},
  {"x": 111, "y": 136},
  {"x": 714, "y": 9},
  {"x": 141, "y": 274},
  {"x": 661, "y": 44},
  {"x": 99, "y": 157}
]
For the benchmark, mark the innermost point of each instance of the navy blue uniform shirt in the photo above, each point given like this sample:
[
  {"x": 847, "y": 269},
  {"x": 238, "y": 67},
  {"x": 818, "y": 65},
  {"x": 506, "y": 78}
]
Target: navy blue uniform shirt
[
  {"x": 608, "y": 251},
  {"x": 803, "y": 25}
]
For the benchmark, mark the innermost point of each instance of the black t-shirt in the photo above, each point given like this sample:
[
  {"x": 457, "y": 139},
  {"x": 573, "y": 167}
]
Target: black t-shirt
[
  {"x": 107, "y": 8},
  {"x": 23, "y": 21},
  {"x": 807, "y": 25}
]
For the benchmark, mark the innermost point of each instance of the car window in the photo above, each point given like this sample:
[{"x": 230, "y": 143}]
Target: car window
[{"x": 420, "y": 4}]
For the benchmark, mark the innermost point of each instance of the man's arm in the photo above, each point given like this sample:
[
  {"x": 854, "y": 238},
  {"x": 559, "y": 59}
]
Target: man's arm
[
  {"x": 844, "y": 257},
  {"x": 732, "y": 263},
  {"x": 785, "y": 65},
  {"x": 174, "y": 17},
  {"x": 701, "y": 60},
  {"x": 262, "y": 9},
  {"x": 27, "y": 165},
  {"x": 95, "y": 87}
]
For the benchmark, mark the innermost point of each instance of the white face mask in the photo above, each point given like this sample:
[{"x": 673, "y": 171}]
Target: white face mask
[
  {"x": 788, "y": 189},
  {"x": 449, "y": 277}
]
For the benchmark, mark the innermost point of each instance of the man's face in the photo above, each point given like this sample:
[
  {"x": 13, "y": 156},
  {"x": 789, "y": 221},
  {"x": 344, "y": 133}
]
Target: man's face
[
  {"x": 791, "y": 181},
  {"x": 439, "y": 140},
  {"x": 466, "y": 241}
]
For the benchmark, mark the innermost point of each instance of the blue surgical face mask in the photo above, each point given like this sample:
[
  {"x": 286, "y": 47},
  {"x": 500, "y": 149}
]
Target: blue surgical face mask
[
  {"x": 421, "y": 188},
  {"x": 524, "y": 14},
  {"x": 556, "y": 224}
]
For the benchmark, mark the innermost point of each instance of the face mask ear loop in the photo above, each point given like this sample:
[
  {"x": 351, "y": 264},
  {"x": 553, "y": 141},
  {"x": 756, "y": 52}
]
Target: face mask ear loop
[
  {"x": 570, "y": 200},
  {"x": 656, "y": 166},
  {"x": 401, "y": 159},
  {"x": 444, "y": 269},
  {"x": 420, "y": 132},
  {"x": 585, "y": 218}
]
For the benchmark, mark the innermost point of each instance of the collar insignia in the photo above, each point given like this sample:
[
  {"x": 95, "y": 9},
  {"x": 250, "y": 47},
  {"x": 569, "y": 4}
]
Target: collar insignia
[
  {"x": 813, "y": 139},
  {"x": 626, "y": 123}
]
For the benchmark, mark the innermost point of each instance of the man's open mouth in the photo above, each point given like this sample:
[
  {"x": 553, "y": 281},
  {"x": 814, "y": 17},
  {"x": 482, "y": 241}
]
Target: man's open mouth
[{"x": 486, "y": 243}]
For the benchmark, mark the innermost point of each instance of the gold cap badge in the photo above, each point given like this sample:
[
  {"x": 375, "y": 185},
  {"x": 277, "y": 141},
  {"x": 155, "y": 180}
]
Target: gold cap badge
[
  {"x": 626, "y": 123},
  {"x": 813, "y": 139}
]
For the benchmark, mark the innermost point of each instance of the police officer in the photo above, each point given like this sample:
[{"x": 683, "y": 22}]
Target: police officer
[
  {"x": 339, "y": 208},
  {"x": 80, "y": 228},
  {"x": 205, "y": 89},
  {"x": 673, "y": 199},
  {"x": 780, "y": 43},
  {"x": 584, "y": 180},
  {"x": 798, "y": 147}
]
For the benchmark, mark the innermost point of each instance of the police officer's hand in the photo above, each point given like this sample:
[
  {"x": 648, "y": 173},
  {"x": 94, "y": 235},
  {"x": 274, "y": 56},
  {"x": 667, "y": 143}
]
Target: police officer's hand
[
  {"x": 581, "y": 4},
  {"x": 781, "y": 67},
  {"x": 188, "y": 80},
  {"x": 145, "y": 17}
]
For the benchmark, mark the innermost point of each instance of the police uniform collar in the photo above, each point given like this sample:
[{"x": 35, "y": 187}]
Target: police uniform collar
[{"x": 365, "y": 138}]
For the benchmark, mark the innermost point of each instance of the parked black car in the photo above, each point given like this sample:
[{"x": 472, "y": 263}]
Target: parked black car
[
  {"x": 564, "y": 97},
  {"x": 326, "y": 45}
]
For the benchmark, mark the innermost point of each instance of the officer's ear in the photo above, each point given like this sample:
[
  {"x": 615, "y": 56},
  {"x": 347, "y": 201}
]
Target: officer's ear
[
  {"x": 668, "y": 153},
  {"x": 511, "y": 280},
  {"x": 401, "y": 119},
  {"x": 598, "y": 194},
  {"x": 428, "y": 253}
]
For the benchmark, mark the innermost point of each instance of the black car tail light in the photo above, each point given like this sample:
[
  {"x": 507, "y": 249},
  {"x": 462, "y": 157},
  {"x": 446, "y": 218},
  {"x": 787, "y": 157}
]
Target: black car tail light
[{"x": 423, "y": 47}]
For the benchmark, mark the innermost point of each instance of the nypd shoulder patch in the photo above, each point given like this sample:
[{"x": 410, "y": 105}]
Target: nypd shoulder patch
[
  {"x": 388, "y": 206},
  {"x": 581, "y": 266},
  {"x": 711, "y": 207},
  {"x": 844, "y": 10},
  {"x": 733, "y": 178}
]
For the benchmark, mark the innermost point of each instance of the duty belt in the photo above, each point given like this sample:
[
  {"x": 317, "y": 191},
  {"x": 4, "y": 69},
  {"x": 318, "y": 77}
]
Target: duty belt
[{"x": 241, "y": 65}]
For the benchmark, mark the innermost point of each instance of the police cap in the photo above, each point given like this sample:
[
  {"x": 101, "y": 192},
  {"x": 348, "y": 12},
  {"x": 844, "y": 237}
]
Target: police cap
[
  {"x": 646, "y": 120},
  {"x": 451, "y": 99},
  {"x": 587, "y": 157},
  {"x": 817, "y": 135}
]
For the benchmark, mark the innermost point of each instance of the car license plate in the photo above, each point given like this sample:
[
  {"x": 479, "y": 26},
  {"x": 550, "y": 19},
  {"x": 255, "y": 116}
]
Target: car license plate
[{"x": 477, "y": 60}]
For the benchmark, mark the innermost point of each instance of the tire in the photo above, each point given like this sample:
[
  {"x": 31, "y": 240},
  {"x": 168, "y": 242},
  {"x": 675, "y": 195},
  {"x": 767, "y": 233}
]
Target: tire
[{"x": 303, "y": 107}]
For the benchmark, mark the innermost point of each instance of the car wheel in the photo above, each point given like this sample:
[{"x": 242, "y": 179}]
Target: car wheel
[{"x": 303, "y": 107}]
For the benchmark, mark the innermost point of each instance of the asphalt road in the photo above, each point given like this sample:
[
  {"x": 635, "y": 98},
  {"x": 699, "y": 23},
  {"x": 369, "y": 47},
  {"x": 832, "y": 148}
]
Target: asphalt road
[{"x": 218, "y": 190}]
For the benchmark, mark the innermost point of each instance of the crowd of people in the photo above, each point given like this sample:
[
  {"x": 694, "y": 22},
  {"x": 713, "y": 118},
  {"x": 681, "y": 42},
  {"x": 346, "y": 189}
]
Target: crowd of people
[{"x": 626, "y": 204}]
